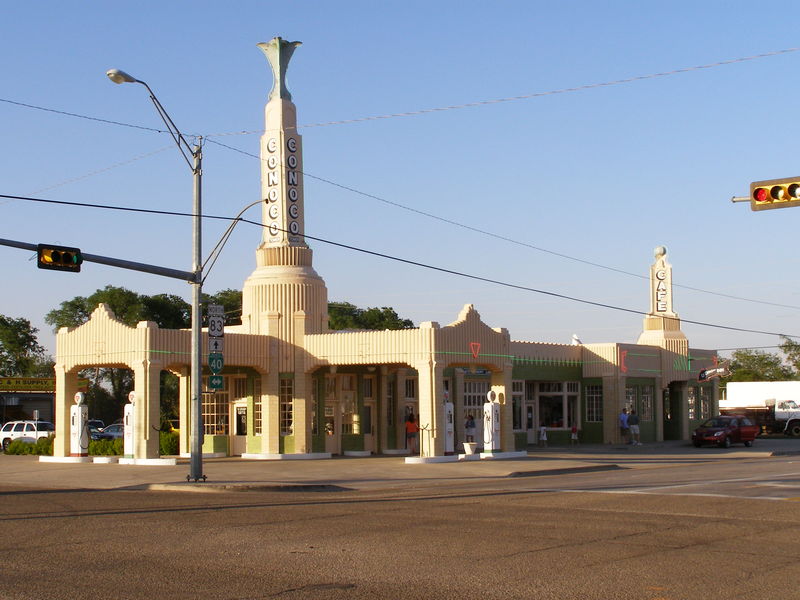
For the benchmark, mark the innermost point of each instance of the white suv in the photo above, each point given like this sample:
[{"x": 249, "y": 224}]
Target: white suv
[{"x": 28, "y": 431}]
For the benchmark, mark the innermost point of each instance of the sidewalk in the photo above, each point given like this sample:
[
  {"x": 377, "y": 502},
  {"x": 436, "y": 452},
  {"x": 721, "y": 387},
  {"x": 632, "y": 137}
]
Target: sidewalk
[{"x": 364, "y": 473}]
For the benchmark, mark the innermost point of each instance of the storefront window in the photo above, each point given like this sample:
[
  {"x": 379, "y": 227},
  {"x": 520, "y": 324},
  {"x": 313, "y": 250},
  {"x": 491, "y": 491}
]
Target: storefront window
[
  {"x": 646, "y": 397},
  {"x": 286, "y": 407},
  {"x": 314, "y": 411},
  {"x": 215, "y": 408},
  {"x": 705, "y": 402},
  {"x": 257, "y": 405},
  {"x": 391, "y": 405},
  {"x": 411, "y": 389},
  {"x": 630, "y": 398},
  {"x": 594, "y": 403},
  {"x": 558, "y": 403},
  {"x": 517, "y": 397}
]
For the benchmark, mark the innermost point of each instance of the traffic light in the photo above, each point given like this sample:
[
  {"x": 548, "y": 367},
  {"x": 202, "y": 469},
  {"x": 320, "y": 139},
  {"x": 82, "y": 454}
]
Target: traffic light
[
  {"x": 59, "y": 258},
  {"x": 775, "y": 193}
]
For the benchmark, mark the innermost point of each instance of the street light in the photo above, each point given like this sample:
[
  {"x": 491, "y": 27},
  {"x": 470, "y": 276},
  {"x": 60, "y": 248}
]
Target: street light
[{"x": 195, "y": 164}]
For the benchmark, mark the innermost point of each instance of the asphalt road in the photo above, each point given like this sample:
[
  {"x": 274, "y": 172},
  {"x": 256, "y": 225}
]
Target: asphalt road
[{"x": 647, "y": 526}]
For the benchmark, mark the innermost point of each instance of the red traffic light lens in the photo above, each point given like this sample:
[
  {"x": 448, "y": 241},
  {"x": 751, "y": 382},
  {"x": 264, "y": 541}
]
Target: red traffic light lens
[{"x": 760, "y": 194}]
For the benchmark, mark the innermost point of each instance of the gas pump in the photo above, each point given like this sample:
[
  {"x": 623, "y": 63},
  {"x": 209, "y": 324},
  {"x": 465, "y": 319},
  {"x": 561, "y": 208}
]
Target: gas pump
[
  {"x": 491, "y": 423},
  {"x": 128, "y": 423},
  {"x": 78, "y": 431},
  {"x": 449, "y": 428}
]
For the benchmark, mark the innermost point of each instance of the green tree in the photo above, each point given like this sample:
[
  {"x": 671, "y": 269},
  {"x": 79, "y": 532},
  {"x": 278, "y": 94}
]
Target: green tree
[
  {"x": 343, "y": 315},
  {"x": 109, "y": 387},
  {"x": 792, "y": 351},
  {"x": 754, "y": 365},
  {"x": 231, "y": 300},
  {"x": 21, "y": 355}
]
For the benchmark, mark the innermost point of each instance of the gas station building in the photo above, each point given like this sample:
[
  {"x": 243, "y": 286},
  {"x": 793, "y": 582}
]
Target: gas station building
[{"x": 292, "y": 388}]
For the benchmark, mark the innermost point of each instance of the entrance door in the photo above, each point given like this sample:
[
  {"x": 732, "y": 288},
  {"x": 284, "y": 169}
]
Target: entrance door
[
  {"x": 368, "y": 426},
  {"x": 239, "y": 431},
  {"x": 333, "y": 437},
  {"x": 530, "y": 422}
]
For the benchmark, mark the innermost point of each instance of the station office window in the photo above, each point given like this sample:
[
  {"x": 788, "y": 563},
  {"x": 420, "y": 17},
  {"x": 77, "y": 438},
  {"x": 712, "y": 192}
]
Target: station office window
[
  {"x": 474, "y": 397},
  {"x": 558, "y": 403}
]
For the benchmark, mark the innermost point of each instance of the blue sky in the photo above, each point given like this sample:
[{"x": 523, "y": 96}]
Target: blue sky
[{"x": 604, "y": 174}]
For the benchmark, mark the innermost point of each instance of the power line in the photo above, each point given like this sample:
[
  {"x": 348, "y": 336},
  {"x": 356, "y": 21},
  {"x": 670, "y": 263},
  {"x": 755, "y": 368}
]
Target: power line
[
  {"x": 504, "y": 238},
  {"x": 424, "y": 111},
  {"x": 419, "y": 264}
]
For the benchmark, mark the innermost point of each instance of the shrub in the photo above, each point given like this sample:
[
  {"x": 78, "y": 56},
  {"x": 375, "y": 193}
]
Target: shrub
[
  {"x": 19, "y": 447},
  {"x": 44, "y": 446},
  {"x": 168, "y": 443},
  {"x": 41, "y": 446},
  {"x": 106, "y": 447}
]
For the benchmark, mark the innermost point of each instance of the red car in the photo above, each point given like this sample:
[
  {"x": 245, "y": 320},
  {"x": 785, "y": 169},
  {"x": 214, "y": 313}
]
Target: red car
[{"x": 726, "y": 430}]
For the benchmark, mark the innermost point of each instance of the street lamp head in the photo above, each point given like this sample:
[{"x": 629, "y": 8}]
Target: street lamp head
[{"x": 118, "y": 76}]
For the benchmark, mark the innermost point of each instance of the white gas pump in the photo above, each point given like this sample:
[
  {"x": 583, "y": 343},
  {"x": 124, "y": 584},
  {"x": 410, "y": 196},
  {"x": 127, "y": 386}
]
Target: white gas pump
[
  {"x": 128, "y": 424},
  {"x": 78, "y": 432},
  {"x": 491, "y": 423},
  {"x": 449, "y": 429}
]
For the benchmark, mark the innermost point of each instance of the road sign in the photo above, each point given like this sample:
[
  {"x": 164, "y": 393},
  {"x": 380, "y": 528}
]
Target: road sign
[
  {"x": 216, "y": 309},
  {"x": 215, "y": 362},
  {"x": 216, "y": 326},
  {"x": 216, "y": 344},
  {"x": 215, "y": 382}
]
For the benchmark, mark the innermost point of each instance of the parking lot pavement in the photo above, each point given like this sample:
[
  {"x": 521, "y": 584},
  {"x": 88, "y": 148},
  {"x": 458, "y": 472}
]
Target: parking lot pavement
[{"x": 377, "y": 471}]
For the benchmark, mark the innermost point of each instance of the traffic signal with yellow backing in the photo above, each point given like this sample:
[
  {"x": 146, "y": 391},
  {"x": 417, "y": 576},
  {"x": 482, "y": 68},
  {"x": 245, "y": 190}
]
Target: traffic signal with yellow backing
[
  {"x": 775, "y": 193},
  {"x": 59, "y": 258}
]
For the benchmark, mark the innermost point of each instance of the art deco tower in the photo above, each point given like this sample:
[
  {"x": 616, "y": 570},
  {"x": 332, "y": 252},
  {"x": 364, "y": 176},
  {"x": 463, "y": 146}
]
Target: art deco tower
[
  {"x": 662, "y": 327},
  {"x": 284, "y": 281}
]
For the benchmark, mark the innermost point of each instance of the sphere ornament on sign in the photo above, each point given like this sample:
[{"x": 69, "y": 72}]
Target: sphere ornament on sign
[
  {"x": 79, "y": 398},
  {"x": 491, "y": 396},
  {"x": 660, "y": 251},
  {"x": 278, "y": 52},
  {"x": 132, "y": 397}
]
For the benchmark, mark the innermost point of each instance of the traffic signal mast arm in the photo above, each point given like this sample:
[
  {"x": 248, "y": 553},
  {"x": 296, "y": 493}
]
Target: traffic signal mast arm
[{"x": 114, "y": 262}]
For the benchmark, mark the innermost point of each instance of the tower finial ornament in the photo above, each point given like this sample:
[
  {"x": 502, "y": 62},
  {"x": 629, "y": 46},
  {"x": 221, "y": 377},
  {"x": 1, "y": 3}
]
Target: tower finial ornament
[{"x": 278, "y": 52}]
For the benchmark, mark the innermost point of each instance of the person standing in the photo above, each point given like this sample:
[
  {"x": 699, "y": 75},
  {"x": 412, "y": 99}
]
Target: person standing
[
  {"x": 542, "y": 436},
  {"x": 573, "y": 435},
  {"x": 623, "y": 426},
  {"x": 469, "y": 428},
  {"x": 412, "y": 432},
  {"x": 633, "y": 425}
]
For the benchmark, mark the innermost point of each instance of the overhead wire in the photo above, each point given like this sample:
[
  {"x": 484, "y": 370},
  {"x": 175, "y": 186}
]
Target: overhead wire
[
  {"x": 446, "y": 108},
  {"x": 502, "y": 237},
  {"x": 418, "y": 264}
]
